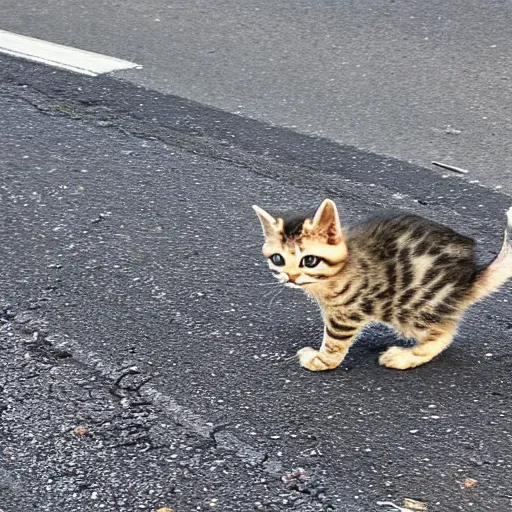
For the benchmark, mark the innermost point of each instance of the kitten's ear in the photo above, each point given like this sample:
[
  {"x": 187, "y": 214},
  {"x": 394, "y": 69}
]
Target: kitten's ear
[
  {"x": 326, "y": 219},
  {"x": 268, "y": 223}
]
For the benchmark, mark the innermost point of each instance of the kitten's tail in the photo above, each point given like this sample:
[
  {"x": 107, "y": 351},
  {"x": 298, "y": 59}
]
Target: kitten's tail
[{"x": 499, "y": 270}]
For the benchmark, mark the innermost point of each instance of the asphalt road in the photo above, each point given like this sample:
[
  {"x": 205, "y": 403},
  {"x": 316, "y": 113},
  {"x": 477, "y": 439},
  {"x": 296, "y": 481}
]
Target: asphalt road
[
  {"x": 420, "y": 81},
  {"x": 128, "y": 241}
]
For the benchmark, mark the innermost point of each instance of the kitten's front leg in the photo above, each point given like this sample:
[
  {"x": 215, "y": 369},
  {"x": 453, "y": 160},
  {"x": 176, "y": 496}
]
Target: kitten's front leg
[{"x": 337, "y": 340}]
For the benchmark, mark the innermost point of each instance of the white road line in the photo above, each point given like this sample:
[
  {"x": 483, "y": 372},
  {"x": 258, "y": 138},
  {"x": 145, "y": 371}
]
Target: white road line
[{"x": 60, "y": 56}]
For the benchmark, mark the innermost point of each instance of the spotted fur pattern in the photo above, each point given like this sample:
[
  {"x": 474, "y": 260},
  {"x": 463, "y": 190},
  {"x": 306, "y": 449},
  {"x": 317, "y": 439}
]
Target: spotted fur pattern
[{"x": 403, "y": 270}]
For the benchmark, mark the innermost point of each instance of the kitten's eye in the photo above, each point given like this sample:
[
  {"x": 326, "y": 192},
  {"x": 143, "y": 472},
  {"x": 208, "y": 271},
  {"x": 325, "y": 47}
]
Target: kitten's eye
[
  {"x": 277, "y": 260},
  {"x": 310, "y": 261}
]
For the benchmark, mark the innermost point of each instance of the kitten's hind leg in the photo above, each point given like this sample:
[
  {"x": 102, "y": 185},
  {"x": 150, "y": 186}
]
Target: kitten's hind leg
[
  {"x": 332, "y": 352},
  {"x": 432, "y": 343}
]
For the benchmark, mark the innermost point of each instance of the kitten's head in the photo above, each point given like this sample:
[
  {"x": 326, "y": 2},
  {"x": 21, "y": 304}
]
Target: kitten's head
[{"x": 304, "y": 250}]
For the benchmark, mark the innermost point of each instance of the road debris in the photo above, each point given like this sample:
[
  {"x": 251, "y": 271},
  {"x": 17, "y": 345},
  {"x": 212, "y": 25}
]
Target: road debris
[
  {"x": 451, "y": 168},
  {"x": 409, "y": 506},
  {"x": 470, "y": 482},
  {"x": 80, "y": 431},
  {"x": 452, "y": 131},
  {"x": 298, "y": 474},
  {"x": 98, "y": 219},
  {"x": 414, "y": 504},
  {"x": 392, "y": 506}
]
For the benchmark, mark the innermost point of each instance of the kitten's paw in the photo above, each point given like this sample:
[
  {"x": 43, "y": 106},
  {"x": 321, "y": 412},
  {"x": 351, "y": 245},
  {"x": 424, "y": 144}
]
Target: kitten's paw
[
  {"x": 312, "y": 360},
  {"x": 400, "y": 358}
]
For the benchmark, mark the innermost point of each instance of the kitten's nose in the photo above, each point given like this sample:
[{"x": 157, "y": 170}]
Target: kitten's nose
[{"x": 292, "y": 277}]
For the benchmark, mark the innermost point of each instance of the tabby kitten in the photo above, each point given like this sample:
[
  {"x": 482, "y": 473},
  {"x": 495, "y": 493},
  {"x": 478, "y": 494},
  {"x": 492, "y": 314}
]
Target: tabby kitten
[{"x": 408, "y": 272}]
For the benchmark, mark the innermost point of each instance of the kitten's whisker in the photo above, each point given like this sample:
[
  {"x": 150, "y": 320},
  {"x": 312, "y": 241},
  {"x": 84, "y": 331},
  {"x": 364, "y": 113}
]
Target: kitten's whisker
[
  {"x": 291, "y": 358},
  {"x": 274, "y": 297},
  {"x": 269, "y": 292}
]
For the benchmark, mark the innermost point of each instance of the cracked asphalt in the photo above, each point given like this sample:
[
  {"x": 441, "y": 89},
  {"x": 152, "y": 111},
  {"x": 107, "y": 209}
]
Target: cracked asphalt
[
  {"x": 129, "y": 455},
  {"x": 135, "y": 303}
]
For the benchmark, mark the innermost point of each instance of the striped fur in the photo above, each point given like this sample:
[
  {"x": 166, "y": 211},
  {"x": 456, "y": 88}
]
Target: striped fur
[{"x": 411, "y": 273}]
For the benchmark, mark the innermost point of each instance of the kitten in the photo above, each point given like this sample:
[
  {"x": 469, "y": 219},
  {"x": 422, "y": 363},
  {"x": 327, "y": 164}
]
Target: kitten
[{"x": 408, "y": 272}]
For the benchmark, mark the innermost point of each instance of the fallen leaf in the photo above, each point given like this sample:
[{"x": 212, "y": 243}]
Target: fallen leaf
[
  {"x": 80, "y": 431},
  {"x": 414, "y": 505},
  {"x": 470, "y": 482}
]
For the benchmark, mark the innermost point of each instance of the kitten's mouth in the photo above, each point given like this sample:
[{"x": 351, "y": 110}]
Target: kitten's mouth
[{"x": 292, "y": 285}]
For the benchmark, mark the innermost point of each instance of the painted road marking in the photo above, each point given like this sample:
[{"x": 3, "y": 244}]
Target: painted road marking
[{"x": 60, "y": 56}]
